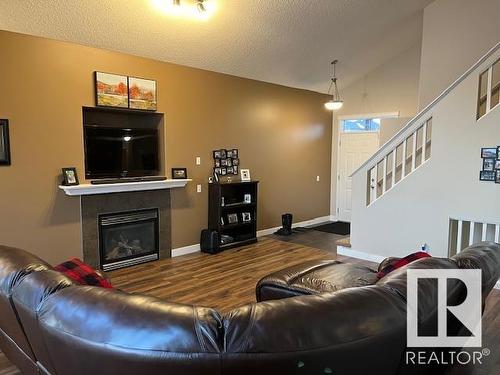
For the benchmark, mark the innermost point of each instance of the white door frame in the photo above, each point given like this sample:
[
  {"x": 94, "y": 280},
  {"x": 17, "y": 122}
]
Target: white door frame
[{"x": 335, "y": 177}]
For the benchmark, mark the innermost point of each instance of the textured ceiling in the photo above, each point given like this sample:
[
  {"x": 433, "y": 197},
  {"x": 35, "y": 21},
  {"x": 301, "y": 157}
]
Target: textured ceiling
[{"x": 288, "y": 42}]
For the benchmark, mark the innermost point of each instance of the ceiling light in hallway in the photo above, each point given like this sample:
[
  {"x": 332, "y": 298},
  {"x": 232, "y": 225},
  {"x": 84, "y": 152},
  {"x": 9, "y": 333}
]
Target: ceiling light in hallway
[
  {"x": 335, "y": 103},
  {"x": 194, "y": 9}
]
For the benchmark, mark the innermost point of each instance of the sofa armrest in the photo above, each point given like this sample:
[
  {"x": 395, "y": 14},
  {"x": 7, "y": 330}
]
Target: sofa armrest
[{"x": 386, "y": 262}]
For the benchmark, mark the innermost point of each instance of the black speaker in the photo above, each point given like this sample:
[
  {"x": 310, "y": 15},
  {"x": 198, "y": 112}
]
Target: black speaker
[{"x": 209, "y": 241}]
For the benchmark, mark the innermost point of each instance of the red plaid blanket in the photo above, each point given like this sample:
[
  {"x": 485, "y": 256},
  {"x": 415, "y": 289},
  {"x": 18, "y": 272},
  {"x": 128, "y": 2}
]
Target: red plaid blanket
[
  {"x": 82, "y": 273},
  {"x": 401, "y": 262}
]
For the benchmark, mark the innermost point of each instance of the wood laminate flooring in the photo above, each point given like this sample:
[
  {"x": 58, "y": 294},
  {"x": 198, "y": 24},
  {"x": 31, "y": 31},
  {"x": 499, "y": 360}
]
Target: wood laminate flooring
[{"x": 227, "y": 280}]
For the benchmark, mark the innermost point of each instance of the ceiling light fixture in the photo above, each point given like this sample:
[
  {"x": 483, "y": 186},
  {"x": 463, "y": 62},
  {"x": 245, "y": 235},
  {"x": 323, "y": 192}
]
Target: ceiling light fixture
[
  {"x": 335, "y": 103},
  {"x": 198, "y": 9}
]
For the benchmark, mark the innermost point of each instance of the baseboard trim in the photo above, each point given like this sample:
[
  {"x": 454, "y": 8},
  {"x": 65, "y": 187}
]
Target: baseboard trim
[
  {"x": 186, "y": 250},
  {"x": 264, "y": 232},
  {"x": 342, "y": 250}
]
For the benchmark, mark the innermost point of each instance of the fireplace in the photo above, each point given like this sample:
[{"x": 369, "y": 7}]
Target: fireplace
[{"x": 128, "y": 238}]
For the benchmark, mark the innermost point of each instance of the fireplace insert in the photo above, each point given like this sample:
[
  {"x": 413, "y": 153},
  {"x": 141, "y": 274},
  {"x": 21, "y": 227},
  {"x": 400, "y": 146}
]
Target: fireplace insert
[{"x": 128, "y": 238}]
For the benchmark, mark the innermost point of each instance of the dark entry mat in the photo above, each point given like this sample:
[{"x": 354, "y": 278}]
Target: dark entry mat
[{"x": 338, "y": 227}]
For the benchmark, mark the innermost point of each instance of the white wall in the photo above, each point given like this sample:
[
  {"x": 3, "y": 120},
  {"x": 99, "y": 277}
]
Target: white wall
[
  {"x": 456, "y": 33},
  {"x": 391, "y": 87},
  {"x": 418, "y": 208}
]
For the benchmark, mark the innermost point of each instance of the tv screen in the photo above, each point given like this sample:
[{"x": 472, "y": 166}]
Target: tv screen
[{"x": 117, "y": 152}]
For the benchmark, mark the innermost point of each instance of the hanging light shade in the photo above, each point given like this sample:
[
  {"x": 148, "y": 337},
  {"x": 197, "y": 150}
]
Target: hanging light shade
[{"x": 335, "y": 103}]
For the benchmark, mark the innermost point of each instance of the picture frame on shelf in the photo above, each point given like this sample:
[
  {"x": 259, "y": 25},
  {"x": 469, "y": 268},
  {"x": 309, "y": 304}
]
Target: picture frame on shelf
[
  {"x": 142, "y": 94},
  {"x": 217, "y": 163},
  {"x": 70, "y": 176},
  {"x": 179, "y": 173},
  {"x": 217, "y": 154},
  {"x": 223, "y": 162},
  {"x": 488, "y": 175},
  {"x": 247, "y": 198},
  {"x": 111, "y": 90},
  {"x": 236, "y": 161},
  {"x": 232, "y": 218},
  {"x": 223, "y": 171},
  {"x": 229, "y": 162},
  {"x": 223, "y": 153},
  {"x": 229, "y": 170},
  {"x": 246, "y": 217},
  {"x": 489, "y": 152},
  {"x": 489, "y": 164},
  {"x": 245, "y": 174},
  {"x": 5, "y": 158}
]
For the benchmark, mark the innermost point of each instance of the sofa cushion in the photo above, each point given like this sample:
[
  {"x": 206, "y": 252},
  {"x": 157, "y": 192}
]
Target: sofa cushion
[
  {"x": 352, "y": 331},
  {"x": 314, "y": 277},
  {"x": 89, "y": 330},
  {"x": 82, "y": 273}
]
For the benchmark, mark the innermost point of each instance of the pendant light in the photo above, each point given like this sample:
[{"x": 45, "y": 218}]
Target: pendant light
[{"x": 335, "y": 103}]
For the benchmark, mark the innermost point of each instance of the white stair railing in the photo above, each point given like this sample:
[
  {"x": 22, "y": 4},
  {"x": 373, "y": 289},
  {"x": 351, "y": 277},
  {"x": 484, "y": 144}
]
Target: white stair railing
[
  {"x": 411, "y": 151},
  {"x": 465, "y": 232},
  {"x": 408, "y": 149}
]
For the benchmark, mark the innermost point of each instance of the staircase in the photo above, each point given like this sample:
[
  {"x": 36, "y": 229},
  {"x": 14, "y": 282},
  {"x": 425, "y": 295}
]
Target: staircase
[{"x": 406, "y": 194}]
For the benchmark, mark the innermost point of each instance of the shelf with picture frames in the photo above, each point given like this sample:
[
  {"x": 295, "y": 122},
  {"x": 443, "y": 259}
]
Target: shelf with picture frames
[{"x": 232, "y": 211}]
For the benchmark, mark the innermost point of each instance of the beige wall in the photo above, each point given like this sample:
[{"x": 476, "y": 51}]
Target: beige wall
[
  {"x": 283, "y": 135},
  {"x": 392, "y": 87},
  {"x": 456, "y": 33}
]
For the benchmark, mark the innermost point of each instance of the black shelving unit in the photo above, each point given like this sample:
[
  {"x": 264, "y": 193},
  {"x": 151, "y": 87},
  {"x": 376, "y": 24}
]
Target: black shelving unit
[{"x": 227, "y": 198}]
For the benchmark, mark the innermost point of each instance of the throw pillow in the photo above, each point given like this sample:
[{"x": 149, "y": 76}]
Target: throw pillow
[
  {"x": 394, "y": 265},
  {"x": 82, "y": 273}
]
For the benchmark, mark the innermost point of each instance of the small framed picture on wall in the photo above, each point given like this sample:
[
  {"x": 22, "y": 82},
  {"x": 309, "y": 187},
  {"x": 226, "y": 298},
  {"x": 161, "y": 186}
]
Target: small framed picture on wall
[
  {"x": 489, "y": 152},
  {"x": 488, "y": 164},
  {"x": 487, "y": 175},
  {"x": 4, "y": 143},
  {"x": 497, "y": 177}
]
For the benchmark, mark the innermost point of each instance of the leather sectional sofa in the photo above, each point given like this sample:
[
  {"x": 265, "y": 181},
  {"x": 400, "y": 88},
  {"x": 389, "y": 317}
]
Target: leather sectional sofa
[{"x": 48, "y": 324}]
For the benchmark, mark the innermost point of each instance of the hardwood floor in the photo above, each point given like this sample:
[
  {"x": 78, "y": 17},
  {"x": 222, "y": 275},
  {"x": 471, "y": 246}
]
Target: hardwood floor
[
  {"x": 224, "y": 281},
  {"x": 227, "y": 280}
]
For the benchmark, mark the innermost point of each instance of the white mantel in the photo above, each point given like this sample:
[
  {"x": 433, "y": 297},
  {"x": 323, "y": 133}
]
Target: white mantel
[{"x": 90, "y": 189}]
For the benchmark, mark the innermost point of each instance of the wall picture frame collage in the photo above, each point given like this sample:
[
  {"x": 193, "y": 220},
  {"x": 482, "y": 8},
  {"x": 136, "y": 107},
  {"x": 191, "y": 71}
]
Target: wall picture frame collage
[
  {"x": 490, "y": 164},
  {"x": 226, "y": 162}
]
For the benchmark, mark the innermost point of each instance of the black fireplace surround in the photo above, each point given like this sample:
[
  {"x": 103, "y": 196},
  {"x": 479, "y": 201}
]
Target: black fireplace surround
[
  {"x": 122, "y": 229},
  {"x": 128, "y": 238}
]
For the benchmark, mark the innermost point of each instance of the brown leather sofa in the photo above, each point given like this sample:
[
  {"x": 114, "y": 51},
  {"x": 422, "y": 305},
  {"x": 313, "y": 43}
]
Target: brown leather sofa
[{"x": 50, "y": 325}]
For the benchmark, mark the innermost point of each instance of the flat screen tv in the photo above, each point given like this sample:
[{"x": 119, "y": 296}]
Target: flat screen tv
[{"x": 112, "y": 152}]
